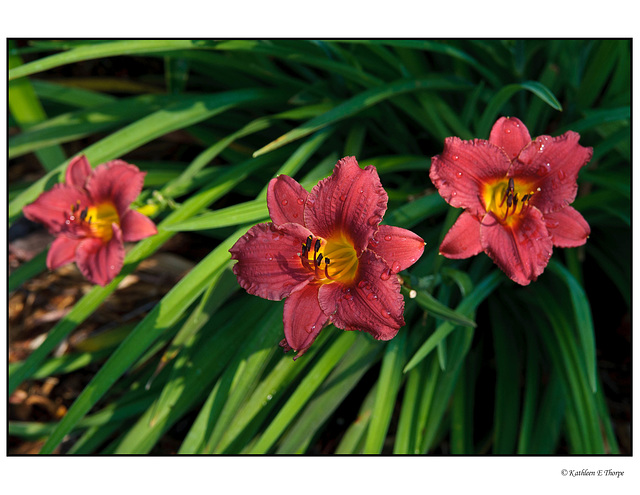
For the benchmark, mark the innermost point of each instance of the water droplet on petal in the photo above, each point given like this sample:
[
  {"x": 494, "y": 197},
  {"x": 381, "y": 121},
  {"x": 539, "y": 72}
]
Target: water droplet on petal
[
  {"x": 454, "y": 193},
  {"x": 458, "y": 174},
  {"x": 67, "y": 222},
  {"x": 561, "y": 174},
  {"x": 343, "y": 197},
  {"x": 385, "y": 275},
  {"x": 371, "y": 296},
  {"x": 385, "y": 313},
  {"x": 362, "y": 284},
  {"x": 284, "y": 202},
  {"x": 300, "y": 201},
  {"x": 455, "y": 157},
  {"x": 542, "y": 170},
  {"x": 507, "y": 131},
  {"x": 348, "y": 297},
  {"x": 387, "y": 237},
  {"x": 396, "y": 267},
  {"x": 268, "y": 257}
]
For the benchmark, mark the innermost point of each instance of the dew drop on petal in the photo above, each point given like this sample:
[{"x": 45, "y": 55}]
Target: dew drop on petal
[
  {"x": 348, "y": 297},
  {"x": 371, "y": 296},
  {"x": 344, "y": 197},
  {"x": 385, "y": 313},
  {"x": 387, "y": 237},
  {"x": 458, "y": 174},
  {"x": 362, "y": 284},
  {"x": 395, "y": 267},
  {"x": 284, "y": 202},
  {"x": 300, "y": 201},
  {"x": 561, "y": 174},
  {"x": 385, "y": 275},
  {"x": 455, "y": 157},
  {"x": 507, "y": 131}
]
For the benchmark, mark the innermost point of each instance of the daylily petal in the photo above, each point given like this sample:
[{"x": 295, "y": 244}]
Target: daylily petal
[
  {"x": 463, "y": 239},
  {"x": 98, "y": 261},
  {"x": 510, "y": 134},
  {"x": 136, "y": 226},
  {"x": 373, "y": 303},
  {"x": 303, "y": 319},
  {"x": 117, "y": 182},
  {"x": 461, "y": 169},
  {"x": 552, "y": 164},
  {"x": 285, "y": 199},
  {"x": 400, "y": 248},
  {"x": 352, "y": 200},
  {"x": 269, "y": 264},
  {"x": 522, "y": 250},
  {"x": 61, "y": 252},
  {"x": 53, "y": 207},
  {"x": 77, "y": 171},
  {"x": 567, "y": 227}
]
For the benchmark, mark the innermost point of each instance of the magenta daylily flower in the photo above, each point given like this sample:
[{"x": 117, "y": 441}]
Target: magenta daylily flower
[
  {"x": 90, "y": 216},
  {"x": 516, "y": 194},
  {"x": 327, "y": 253}
]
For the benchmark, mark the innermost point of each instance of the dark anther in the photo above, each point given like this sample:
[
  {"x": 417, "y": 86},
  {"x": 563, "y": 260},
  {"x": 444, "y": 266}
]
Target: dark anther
[
  {"x": 511, "y": 185},
  {"x": 319, "y": 260},
  {"x": 317, "y": 245},
  {"x": 83, "y": 213},
  {"x": 308, "y": 244},
  {"x": 327, "y": 261}
]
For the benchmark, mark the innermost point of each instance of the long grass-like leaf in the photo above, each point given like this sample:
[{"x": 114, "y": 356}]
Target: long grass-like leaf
[
  {"x": 468, "y": 305},
  {"x": 359, "y": 103}
]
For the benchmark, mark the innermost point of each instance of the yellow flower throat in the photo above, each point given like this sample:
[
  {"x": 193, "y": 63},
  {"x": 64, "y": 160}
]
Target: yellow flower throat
[
  {"x": 98, "y": 219},
  {"x": 331, "y": 260},
  {"x": 507, "y": 199}
]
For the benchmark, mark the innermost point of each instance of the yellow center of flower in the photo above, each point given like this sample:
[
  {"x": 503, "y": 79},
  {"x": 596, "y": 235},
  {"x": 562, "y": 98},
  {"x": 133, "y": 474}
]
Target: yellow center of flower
[
  {"x": 507, "y": 198},
  {"x": 333, "y": 260},
  {"x": 99, "y": 218}
]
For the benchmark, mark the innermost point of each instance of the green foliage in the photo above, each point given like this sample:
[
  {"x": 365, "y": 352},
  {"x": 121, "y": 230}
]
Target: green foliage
[{"x": 207, "y": 354}]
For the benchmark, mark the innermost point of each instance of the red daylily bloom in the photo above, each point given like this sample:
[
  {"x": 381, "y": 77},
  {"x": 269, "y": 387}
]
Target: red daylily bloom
[
  {"x": 327, "y": 253},
  {"x": 516, "y": 194},
  {"x": 90, "y": 216}
]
